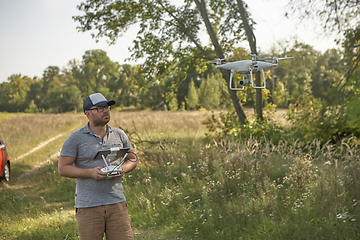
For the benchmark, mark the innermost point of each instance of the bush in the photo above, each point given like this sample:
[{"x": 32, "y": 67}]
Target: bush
[{"x": 228, "y": 125}]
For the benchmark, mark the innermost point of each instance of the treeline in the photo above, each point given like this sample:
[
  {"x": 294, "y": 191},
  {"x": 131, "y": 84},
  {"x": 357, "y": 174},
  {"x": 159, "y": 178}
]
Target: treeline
[{"x": 188, "y": 86}]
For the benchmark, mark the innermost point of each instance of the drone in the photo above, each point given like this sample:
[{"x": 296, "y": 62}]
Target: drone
[{"x": 247, "y": 68}]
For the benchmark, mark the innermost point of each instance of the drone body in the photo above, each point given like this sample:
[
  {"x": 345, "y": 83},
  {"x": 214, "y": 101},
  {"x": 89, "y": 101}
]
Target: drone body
[
  {"x": 244, "y": 66},
  {"x": 247, "y": 68}
]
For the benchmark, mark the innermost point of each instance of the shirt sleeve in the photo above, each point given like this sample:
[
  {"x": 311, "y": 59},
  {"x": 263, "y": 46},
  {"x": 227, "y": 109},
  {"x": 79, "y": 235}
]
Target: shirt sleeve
[
  {"x": 125, "y": 140},
  {"x": 69, "y": 148}
]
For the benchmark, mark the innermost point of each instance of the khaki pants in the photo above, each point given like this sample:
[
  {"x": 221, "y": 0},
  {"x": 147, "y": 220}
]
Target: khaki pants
[{"x": 113, "y": 220}]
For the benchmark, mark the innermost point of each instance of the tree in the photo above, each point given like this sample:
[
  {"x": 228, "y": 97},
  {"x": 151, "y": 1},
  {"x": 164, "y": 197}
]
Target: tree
[
  {"x": 96, "y": 71},
  {"x": 327, "y": 73},
  {"x": 51, "y": 78},
  {"x": 333, "y": 15},
  {"x": 127, "y": 88},
  {"x": 172, "y": 101},
  {"x": 295, "y": 73},
  {"x": 153, "y": 97},
  {"x": 209, "y": 93},
  {"x": 66, "y": 99},
  {"x": 252, "y": 42},
  {"x": 168, "y": 31},
  {"x": 280, "y": 97},
  {"x": 13, "y": 93},
  {"x": 35, "y": 94},
  {"x": 32, "y": 108},
  {"x": 50, "y": 81},
  {"x": 192, "y": 98},
  {"x": 342, "y": 17}
]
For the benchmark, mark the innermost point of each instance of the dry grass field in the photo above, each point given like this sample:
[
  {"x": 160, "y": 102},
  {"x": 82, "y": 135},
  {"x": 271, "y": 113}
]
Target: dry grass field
[
  {"x": 185, "y": 188},
  {"x": 24, "y": 132}
]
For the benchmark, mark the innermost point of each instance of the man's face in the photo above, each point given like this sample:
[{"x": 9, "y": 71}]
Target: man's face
[{"x": 99, "y": 116}]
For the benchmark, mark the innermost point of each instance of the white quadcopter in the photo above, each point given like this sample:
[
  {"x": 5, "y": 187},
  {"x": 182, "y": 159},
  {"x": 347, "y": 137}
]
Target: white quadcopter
[{"x": 247, "y": 68}]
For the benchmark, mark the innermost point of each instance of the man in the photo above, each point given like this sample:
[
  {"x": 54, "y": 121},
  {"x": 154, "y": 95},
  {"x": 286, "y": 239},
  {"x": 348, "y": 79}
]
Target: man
[{"x": 99, "y": 201}]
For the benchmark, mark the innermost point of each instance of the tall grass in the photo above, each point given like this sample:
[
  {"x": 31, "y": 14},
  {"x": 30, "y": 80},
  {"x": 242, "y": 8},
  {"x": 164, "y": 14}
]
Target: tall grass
[
  {"x": 25, "y": 132},
  {"x": 249, "y": 190},
  {"x": 185, "y": 188},
  {"x": 6, "y": 115}
]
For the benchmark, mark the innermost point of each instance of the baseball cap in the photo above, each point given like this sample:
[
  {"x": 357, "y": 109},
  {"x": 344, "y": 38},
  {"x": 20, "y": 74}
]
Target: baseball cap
[{"x": 96, "y": 99}]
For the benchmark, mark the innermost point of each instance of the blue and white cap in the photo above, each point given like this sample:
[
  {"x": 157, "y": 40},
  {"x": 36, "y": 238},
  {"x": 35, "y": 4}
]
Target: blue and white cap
[{"x": 96, "y": 99}]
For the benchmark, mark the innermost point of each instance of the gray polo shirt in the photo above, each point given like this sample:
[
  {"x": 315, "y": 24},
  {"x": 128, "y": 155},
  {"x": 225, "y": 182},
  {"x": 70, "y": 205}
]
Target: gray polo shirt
[{"x": 83, "y": 145}]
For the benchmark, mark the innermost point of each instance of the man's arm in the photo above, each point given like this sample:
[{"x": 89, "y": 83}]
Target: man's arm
[
  {"x": 66, "y": 168},
  {"x": 129, "y": 164}
]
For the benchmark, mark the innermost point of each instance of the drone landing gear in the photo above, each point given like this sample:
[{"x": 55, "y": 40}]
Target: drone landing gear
[
  {"x": 230, "y": 81},
  {"x": 252, "y": 80},
  {"x": 245, "y": 80}
]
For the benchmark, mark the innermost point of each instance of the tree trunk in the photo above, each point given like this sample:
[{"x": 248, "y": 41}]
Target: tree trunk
[
  {"x": 235, "y": 99},
  {"x": 219, "y": 53},
  {"x": 252, "y": 42}
]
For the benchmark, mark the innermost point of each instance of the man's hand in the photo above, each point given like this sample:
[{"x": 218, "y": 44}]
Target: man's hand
[
  {"x": 97, "y": 174},
  {"x": 122, "y": 172},
  {"x": 67, "y": 169}
]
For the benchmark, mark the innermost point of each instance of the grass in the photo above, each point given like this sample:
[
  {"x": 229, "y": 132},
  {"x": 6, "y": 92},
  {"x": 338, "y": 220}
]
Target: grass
[
  {"x": 25, "y": 132},
  {"x": 185, "y": 188},
  {"x": 232, "y": 193},
  {"x": 6, "y": 115}
]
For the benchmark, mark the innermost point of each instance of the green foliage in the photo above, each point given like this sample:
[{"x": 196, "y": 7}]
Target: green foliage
[
  {"x": 13, "y": 93},
  {"x": 182, "y": 107},
  {"x": 66, "y": 99},
  {"x": 313, "y": 119},
  {"x": 327, "y": 73},
  {"x": 209, "y": 93},
  {"x": 281, "y": 97},
  {"x": 226, "y": 125},
  {"x": 169, "y": 34},
  {"x": 173, "y": 103},
  {"x": 272, "y": 191},
  {"x": 326, "y": 14},
  {"x": 153, "y": 97},
  {"x": 335, "y": 114},
  {"x": 192, "y": 97},
  {"x": 95, "y": 71},
  {"x": 353, "y": 116},
  {"x": 295, "y": 73},
  {"x": 179, "y": 24},
  {"x": 32, "y": 108}
]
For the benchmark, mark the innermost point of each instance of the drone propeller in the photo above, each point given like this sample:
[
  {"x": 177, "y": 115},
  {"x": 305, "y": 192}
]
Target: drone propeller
[
  {"x": 217, "y": 61},
  {"x": 284, "y": 58},
  {"x": 275, "y": 58},
  {"x": 254, "y": 57}
]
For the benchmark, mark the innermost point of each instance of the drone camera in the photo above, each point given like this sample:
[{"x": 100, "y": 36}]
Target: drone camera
[{"x": 245, "y": 80}]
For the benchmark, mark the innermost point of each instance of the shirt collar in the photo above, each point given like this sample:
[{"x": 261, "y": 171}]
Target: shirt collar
[{"x": 87, "y": 130}]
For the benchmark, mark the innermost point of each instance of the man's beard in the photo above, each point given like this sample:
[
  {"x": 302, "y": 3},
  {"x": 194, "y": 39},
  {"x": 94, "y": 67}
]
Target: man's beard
[{"x": 102, "y": 121}]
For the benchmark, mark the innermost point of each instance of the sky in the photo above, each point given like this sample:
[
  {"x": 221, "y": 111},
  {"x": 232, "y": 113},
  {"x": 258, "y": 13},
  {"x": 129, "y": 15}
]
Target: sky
[{"x": 37, "y": 34}]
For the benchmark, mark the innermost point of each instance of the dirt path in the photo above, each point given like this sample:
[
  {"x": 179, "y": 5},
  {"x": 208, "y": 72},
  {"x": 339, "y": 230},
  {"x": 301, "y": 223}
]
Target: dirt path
[
  {"x": 39, "y": 146},
  {"x": 51, "y": 159}
]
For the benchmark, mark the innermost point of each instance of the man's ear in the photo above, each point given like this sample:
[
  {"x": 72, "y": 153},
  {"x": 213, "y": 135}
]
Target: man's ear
[{"x": 87, "y": 113}]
